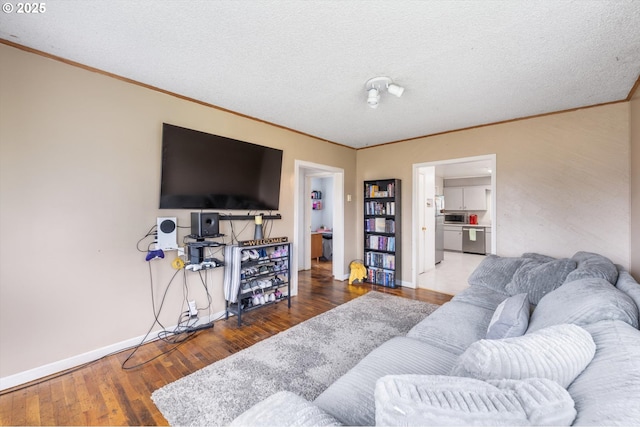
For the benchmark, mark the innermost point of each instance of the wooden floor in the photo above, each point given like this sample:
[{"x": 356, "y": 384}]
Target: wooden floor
[{"x": 102, "y": 393}]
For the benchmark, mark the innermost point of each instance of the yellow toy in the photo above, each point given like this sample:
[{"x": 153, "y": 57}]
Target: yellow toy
[{"x": 358, "y": 272}]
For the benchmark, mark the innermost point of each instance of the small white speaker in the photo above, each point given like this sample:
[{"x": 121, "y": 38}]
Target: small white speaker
[{"x": 167, "y": 233}]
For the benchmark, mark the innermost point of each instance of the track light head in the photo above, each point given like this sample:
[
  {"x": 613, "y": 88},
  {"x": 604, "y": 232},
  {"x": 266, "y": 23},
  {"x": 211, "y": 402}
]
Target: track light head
[
  {"x": 379, "y": 84},
  {"x": 373, "y": 98},
  {"x": 396, "y": 90}
]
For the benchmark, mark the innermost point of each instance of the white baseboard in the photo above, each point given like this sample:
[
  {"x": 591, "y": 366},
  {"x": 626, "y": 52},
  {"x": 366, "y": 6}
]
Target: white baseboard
[
  {"x": 90, "y": 356},
  {"x": 406, "y": 284}
]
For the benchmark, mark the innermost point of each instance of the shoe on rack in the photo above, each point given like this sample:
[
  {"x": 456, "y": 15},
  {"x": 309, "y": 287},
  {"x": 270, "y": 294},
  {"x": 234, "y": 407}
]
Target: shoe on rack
[{"x": 255, "y": 300}]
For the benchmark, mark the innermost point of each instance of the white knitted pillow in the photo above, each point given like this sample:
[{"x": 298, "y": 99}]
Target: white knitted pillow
[
  {"x": 406, "y": 400},
  {"x": 558, "y": 353}
]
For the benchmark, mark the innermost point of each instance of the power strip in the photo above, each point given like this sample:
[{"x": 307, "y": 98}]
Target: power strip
[{"x": 199, "y": 327}]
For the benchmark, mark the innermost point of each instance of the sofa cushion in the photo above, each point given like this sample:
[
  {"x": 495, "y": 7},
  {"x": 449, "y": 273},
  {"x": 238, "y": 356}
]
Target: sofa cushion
[
  {"x": 538, "y": 257},
  {"x": 592, "y": 265},
  {"x": 495, "y": 272},
  {"x": 608, "y": 391},
  {"x": 350, "y": 399},
  {"x": 558, "y": 353},
  {"x": 282, "y": 409},
  {"x": 510, "y": 319},
  {"x": 627, "y": 284},
  {"x": 453, "y": 327},
  {"x": 481, "y": 296},
  {"x": 583, "y": 302},
  {"x": 418, "y": 400},
  {"x": 538, "y": 277}
]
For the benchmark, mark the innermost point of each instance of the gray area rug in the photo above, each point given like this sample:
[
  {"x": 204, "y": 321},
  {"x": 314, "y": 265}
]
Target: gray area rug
[{"x": 304, "y": 359}]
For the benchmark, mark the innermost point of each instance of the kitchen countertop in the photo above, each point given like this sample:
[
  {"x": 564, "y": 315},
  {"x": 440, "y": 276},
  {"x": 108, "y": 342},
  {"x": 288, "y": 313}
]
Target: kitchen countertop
[{"x": 468, "y": 225}]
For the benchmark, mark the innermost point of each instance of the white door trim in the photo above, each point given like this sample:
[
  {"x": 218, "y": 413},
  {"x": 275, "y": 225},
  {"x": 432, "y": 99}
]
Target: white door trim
[
  {"x": 303, "y": 169},
  {"x": 416, "y": 199}
]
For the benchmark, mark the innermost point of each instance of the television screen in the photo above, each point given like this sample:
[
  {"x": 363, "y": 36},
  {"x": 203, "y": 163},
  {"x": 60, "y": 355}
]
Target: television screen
[{"x": 205, "y": 171}]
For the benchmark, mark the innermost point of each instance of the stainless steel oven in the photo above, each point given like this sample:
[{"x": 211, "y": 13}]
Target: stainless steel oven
[{"x": 456, "y": 218}]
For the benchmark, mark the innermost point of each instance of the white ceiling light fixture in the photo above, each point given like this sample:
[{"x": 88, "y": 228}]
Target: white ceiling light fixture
[
  {"x": 377, "y": 85},
  {"x": 396, "y": 90},
  {"x": 373, "y": 98}
]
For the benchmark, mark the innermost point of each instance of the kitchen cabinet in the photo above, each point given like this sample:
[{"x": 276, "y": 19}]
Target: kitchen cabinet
[
  {"x": 472, "y": 198},
  {"x": 453, "y": 198},
  {"x": 453, "y": 238},
  {"x": 487, "y": 240}
]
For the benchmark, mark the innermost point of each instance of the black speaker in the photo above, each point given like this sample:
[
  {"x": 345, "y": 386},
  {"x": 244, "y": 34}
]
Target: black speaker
[{"x": 205, "y": 224}]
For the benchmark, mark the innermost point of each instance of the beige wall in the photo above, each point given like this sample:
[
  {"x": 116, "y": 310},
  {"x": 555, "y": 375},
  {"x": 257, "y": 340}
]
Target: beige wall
[
  {"x": 635, "y": 185},
  {"x": 79, "y": 186},
  {"x": 562, "y": 180}
]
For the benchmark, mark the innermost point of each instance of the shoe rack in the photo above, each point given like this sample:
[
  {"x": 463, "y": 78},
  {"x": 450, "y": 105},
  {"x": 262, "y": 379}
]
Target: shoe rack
[{"x": 256, "y": 277}]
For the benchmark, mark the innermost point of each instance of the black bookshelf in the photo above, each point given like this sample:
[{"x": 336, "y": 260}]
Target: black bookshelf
[{"x": 382, "y": 232}]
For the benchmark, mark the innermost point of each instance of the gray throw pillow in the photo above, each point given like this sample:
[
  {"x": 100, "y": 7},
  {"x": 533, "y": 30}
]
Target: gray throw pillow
[
  {"x": 510, "y": 319},
  {"x": 627, "y": 284},
  {"x": 559, "y": 353},
  {"x": 591, "y": 265},
  {"x": 538, "y": 257},
  {"x": 495, "y": 272},
  {"x": 537, "y": 278},
  {"x": 583, "y": 302}
]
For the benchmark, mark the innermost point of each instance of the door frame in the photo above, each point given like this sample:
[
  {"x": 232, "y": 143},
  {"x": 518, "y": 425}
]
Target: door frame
[
  {"x": 303, "y": 170},
  {"x": 419, "y": 199}
]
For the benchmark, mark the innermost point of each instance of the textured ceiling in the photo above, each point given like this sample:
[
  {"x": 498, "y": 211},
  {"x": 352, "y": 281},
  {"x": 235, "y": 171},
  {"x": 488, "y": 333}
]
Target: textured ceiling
[{"x": 303, "y": 64}]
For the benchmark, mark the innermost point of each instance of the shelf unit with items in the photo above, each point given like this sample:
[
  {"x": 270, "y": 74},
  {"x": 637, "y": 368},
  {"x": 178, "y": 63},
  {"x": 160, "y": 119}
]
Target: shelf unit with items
[
  {"x": 316, "y": 200},
  {"x": 382, "y": 232},
  {"x": 256, "y": 276}
]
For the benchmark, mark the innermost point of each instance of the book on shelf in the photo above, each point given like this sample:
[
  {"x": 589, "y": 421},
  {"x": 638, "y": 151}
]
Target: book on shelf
[
  {"x": 381, "y": 277},
  {"x": 374, "y": 190},
  {"x": 380, "y": 225},
  {"x": 380, "y": 260},
  {"x": 380, "y": 208},
  {"x": 382, "y": 243}
]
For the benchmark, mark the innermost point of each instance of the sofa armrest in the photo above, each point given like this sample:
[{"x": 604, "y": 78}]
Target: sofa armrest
[{"x": 285, "y": 409}]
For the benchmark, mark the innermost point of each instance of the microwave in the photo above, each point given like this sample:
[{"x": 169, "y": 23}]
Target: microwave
[{"x": 456, "y": 218}]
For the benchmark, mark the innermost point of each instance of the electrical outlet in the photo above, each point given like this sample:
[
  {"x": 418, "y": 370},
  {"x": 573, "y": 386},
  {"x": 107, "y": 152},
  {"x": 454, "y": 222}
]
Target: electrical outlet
[
  {"x": 193, "y": 310},
  {"x": 181, "y": 251}
]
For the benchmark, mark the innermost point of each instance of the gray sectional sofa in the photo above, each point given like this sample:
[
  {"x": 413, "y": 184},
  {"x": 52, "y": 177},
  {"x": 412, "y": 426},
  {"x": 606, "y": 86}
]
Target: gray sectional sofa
[{"x": 533, "y": 341}]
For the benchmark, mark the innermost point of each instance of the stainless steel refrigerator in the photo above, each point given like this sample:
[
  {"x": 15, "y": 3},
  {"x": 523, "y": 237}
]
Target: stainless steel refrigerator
[{"x": 439, "y": 228}]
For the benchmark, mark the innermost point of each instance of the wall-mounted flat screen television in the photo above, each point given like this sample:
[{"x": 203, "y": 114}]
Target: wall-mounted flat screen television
[{"x": 205, "y": 171}]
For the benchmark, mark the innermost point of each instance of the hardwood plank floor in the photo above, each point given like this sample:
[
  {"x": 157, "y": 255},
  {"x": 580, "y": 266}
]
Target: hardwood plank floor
[{"x": 102, "y": 393}]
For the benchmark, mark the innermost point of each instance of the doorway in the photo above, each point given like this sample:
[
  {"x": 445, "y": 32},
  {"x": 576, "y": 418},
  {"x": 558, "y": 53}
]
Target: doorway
[
  {"x": 333, "y": 181},
  {"x": 322, "y": 221},
  {"x": 428, "y": 183}
]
